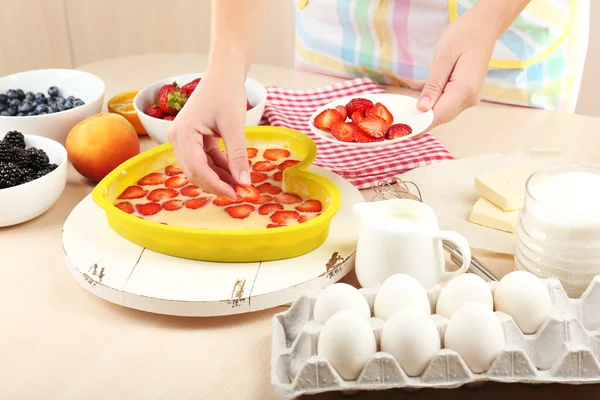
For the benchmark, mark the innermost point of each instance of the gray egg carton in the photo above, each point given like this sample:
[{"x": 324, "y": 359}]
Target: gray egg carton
[{"x": 566, "y": 349}]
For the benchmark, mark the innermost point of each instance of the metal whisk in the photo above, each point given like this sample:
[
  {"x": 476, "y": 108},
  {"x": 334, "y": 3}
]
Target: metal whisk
[{"x": 395, "y": 187}]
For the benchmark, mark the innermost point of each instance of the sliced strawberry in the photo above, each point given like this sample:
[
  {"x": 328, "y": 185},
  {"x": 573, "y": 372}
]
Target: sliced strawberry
[
  {"x": 310, "y": 206},
  {"x": 357, "y": 116},
  {"x": 398, "y": 130},
  {"x": 189, "y": 88},
  {"x": 278, "y": 176},
  {"x": 224, "y": 201},
  {"x": 158, "y": 195},
  {"x": 258, "y": 177},
  {"x": 282, "y": 217},
  {"x": 252, "y": 152},
  {"x": 379, "y": 110},
  {"x": 125, "y": 206},
  {"x": 248, "y": 105},
  {"x": 249, "y": 194},
  {"x": 148, "y": 208},
  {"x": 288, "y": 198},
  {"x": 275, "y": 226},
  {"x": 155, "y": 178},
  {"x": 343, "y": 112},
  {"x": 155, "y": 111},
  {"x": 276, "y": 154},
  {"x": 176, "y": 182},
  {"x": 249, "y": 163},
  {"x": 361, "y": 136},
  {"x": 194, "y": 204},
  {"x": 172, "y": 170},
  {"x": 264, "y": 198},
  {"x": 358, "y": 104},
  {"x": 267, "y": 188},
  {"x": 269, "y": 208},
  {"x": 264, "y": 166},
  {"x": 240, "y": 211},
  {"x": 191, "y": 191},
  {"x": 307, "y": 217},
  {"x": 172, "y": 205},
  {"x": 133, "y": 192},
  {"x": 374, "y": 126},
  {"x": 286, "y": 164},
  {"x": 169, "y": 118},
  {"x": 344, "y": 131},
  {"x": 327, "y": 118}
]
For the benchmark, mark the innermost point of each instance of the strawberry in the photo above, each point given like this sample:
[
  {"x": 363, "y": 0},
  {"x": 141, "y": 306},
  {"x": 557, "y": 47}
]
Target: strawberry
[
  {"x": 172, "y": 170},
  {"x": 125, "y": 206},
  {"x": 267, "y": 188},
  {"x": 158, "y": 195},
  {"x": 252, "y": 152},
  {"x": 286, "y": 164},
  {"x": 224, "y": 201},
  {"x": 361, "y": 136},
  {"x": 165, "y": 89},
  {"x": 240, "y": 212},
  {"x": 343, "y": 112},
  {"x": 358, "y": 104},
  {"x": 287, "y": 198},
  {"x": 248, "y": 105},
  {"x": 194, "y": 204},
  {"x": 343, "y": 131},
  {"x": 357, "y": 116},
  {"x": 310, "y": 206},
  {"x": 276, "y": 154},
  {"x": 148, "y": 208},
  {"x": 249, "y": 194},
  {"x": 249, "y": 163},
  {"x": 379, "y": 110},
  {"x": 133, "y": 192},
  {"x": 264, "y": 198},
  {"x": 155, "y": 178},
  {"x": 191, "y": 191},
  {"x": 176, "y": 182},
  {"x": 307, "y": 217},
  {"x": 327, "y": 118},
  {"x": 172, "y": 205},
  {"x": 374, "y": 126},
  {"x": 275, "y": 226},
  {"x": 264, "y": 166},
  {"x": 155, "y": 111},
  {"x": 269, "y": 208},
  {"x": 278, "y": 176},
  {"x": 398, "y": 130},
  {"x": 169, "y": 118},
  {"x": 189, "y": 88},
  {"x": 258, "y": 177},
  {"x": 282, "y": 217},
  {"x": 171, "y": 99}
]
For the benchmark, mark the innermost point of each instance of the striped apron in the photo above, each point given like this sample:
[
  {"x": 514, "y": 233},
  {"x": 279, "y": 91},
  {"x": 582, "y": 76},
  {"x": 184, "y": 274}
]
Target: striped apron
[{"x": 537, "y": 62}]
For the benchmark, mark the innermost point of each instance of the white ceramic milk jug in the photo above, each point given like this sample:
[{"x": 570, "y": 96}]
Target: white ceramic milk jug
[{"x": 403, "y": 236}]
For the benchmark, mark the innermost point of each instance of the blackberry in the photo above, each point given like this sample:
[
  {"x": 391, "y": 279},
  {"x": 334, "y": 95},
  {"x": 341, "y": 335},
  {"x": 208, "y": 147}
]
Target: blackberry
[
  {"x": 10, "y": 175},
  {"x": 15, "y": 139},
  {"x": 38, "y": 159}
]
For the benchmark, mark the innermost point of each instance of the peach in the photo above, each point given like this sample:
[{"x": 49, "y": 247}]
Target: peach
[{"x": 100, "y": 143}]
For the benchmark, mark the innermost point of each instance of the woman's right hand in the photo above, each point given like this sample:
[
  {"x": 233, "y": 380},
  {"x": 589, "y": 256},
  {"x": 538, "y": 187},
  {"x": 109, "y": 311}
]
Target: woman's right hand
[{"x": 217, "y": 108}]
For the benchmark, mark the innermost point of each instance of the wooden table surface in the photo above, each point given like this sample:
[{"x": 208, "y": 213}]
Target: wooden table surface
[{"x": 58, "y": 341}]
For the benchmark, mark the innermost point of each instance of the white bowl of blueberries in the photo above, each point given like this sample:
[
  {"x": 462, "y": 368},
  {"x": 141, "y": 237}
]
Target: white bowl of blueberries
[
  {"x": 48, "y": 102},
  {"x": 33, "y": 175}
]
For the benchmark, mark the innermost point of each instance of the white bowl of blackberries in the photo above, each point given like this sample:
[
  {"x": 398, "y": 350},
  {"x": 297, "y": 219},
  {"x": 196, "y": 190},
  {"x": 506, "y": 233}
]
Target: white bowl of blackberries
[
  {"x": 48, "y": 102},
  {"x": 33, "y": 175}
]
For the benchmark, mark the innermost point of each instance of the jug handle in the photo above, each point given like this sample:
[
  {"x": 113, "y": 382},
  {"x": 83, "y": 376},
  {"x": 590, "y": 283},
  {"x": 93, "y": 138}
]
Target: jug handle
[{"x": 463, "y": 246}]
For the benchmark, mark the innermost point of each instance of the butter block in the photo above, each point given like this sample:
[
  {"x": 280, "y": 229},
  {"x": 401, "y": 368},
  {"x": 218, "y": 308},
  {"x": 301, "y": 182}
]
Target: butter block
[
  {"x": 505, "y": 187},
  {"x": 487, "y": 214}
]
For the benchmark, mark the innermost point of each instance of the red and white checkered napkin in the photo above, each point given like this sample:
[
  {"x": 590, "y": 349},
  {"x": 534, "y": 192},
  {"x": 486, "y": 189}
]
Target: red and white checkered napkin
[{"x": 363, "y": 167}]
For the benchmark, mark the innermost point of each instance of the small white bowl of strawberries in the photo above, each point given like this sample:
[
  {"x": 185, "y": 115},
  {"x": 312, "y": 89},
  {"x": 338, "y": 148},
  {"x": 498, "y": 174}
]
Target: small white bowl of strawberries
[
  {"x": 158, "y": 104},
  {"x": 370, "y": 120}
]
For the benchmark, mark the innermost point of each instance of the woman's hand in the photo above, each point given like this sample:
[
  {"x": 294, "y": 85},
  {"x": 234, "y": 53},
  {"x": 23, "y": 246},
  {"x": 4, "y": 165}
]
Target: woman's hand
[{"x": 217, "y": 108}]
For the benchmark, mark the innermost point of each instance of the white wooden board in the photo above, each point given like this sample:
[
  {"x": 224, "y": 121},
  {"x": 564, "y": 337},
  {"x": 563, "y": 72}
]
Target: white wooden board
[{"x": 124, "y": 273}]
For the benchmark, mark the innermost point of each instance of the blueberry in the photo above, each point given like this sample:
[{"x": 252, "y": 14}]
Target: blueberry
[
  {"x": 52, "y": 110},
  {"x": 20, "y": 114},
  {"x": 3, "y": 106},
  {"x": 21, "y": 94},
  {"x": 12, "y": 111},
  {"x": 68, "y": 104},
  {"x": 14, "y": 103},
  {"x": 40, "y": 95},
  {"x": 61, "y": 107},
  {"x": 53, "y": 91},
  {"x": 43, "y": 113},
  {"x": 60, "y": 100},
  {"x": 72, "y": 98},
  {"x": 3, "y": 99},
  {"x": 42, "y": 100},
  {"x": 25, "y": 107},
  {"x": 34, "y": 104},
  {"x": 12, "y": 94},
  {"x": 4, "y": 113},
  {"x": 30, "y": 97},
  {"x": 78, "y": 103},
  {"x": 41, "y": 108},
  {"x": 31, "y": 114}
]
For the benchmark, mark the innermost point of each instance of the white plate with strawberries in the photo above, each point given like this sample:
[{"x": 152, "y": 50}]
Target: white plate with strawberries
[{"x": 370, "y": 120}]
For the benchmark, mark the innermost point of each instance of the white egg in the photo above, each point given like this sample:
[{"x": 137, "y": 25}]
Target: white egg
[
  {"x": 398, "y": 291},
  {"x": 348, "y": 342},
  {"x": 463, "y": 289},
  {"x": 475, "y": 333},
  {"x": 338, "y": 297},
  {"x": 524, "y": 297},
  {"x": 412, "y": 338}
]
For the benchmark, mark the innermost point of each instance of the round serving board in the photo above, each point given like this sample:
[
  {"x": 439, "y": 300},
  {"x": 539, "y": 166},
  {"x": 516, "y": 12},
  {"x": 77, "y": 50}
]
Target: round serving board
[{"x": 124, "y": 273}]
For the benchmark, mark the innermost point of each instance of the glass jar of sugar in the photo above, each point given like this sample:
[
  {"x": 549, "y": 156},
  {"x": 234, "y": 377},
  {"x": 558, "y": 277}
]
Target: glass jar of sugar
[{"x": 558, "y": 234}]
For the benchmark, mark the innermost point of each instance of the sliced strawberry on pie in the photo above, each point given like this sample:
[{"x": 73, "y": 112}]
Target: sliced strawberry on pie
[
  {"x": 155, "y": 178},
  {"x": 310, "y": 206},
  {"x": 327, "y": 118},
  {"x": 275, "y": 226},
  {"x": 252, "y": 152},
  {"x": 224, "y": 201},
  {"x": 125, "y": 206},
  {"x": 276, "y": 154},
  {"x": 158, "y": 195},
  {"x": 172, "y": 205},
  {"x": 172, "y": 170},
  {"x": 379, "y": 110},
  {"x": 176, "y": 182},
  {"x": 249, "y": 194},
  {"x": 258, "y": 177},
  {"x": 307, "y": 217},
  {"x": 357, "y": 116},
  {"x": 288, "y": 198},
  {"x": 264, "y": 198},
  {"x": 278, "y": 176},
  {"x": 398, "y": 130},
  {"x": 194, "y": 204},
  {"x": 358, "y": 104},
  {"x": 148, "y": 208},
  {"x": 343, "y": 112},
  {"x": 374, "y": 126},
  {"x": 264, "y": 166},
  {"x": 269, "y": 208},
  {"x": 241, "y": 211},
  {"x": 133, "y": 192},
  {"x": 267, "y": 188},
  {"x": 282, "y": 217},
  {"x": 344, "y": 131},
  {"x": 191, "y": 191},
  {"x": 361, "y": 136},
  {"x": 286, "y": 164}
]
